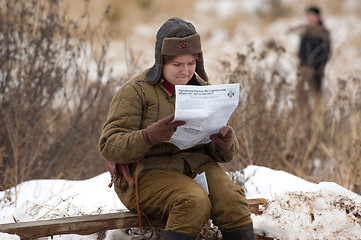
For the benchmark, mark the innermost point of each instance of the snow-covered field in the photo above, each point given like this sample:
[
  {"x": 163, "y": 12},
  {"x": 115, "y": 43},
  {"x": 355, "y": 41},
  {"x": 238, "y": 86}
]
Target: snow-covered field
[{"x": 296, "y": 209}]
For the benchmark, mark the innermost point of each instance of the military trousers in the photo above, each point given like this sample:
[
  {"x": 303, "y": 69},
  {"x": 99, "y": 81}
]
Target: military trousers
[{"x": 183, "y": 204}]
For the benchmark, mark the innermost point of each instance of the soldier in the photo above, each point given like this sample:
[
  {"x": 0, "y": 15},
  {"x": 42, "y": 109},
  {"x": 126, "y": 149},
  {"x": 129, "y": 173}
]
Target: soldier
[{"x": 135, "y": 136}]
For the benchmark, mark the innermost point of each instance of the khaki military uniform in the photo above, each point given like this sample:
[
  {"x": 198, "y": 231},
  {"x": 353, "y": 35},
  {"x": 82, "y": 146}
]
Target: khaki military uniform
[{"x": 166, "y": 185}]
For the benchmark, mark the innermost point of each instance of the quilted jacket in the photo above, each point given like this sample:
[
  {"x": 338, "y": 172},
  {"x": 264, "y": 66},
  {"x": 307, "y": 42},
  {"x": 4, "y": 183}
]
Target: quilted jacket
[{"x": 138, "y": 104}]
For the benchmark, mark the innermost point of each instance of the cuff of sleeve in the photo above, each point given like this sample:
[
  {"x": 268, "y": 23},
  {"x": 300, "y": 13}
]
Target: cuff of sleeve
[
  {"x": 224, "y": 156},
  {"x": 144, "y": 138},
  {"x": 227, "y": 154}
]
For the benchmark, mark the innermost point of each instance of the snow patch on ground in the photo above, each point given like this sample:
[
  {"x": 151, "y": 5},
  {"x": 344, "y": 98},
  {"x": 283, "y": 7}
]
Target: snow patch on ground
[
  {"x": 49, "y": 199},
  {"x": 297, "y": 209},
  {"x": 323, "y": 214}
]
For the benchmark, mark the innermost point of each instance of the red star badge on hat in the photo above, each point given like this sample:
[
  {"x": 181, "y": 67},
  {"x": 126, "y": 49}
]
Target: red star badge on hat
[{"x": 183, "y": 45}]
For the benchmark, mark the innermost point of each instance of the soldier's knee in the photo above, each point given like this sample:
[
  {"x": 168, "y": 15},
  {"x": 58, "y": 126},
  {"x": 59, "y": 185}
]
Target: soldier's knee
[
  {"x": 189, "y": 212},
  {"x": 196, "y": 201}
]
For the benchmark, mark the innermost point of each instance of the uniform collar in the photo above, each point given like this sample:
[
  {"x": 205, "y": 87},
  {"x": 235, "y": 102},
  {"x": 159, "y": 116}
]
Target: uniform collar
[{"x": 167, "y": 86}]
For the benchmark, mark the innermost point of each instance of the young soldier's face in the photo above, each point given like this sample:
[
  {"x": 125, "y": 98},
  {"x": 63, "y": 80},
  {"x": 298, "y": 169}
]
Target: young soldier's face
[{"x": 180, "y": 69}]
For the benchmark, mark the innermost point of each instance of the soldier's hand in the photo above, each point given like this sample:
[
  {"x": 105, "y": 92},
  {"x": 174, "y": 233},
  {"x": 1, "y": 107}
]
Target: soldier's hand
[
  {"x": 224, "y": 138},
  {"x": 161, "y": 130}
]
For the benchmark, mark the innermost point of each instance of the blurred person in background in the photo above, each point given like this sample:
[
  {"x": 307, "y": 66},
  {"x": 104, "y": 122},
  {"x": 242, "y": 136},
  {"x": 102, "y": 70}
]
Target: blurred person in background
[
  {"x": 314, "y": 49},
  {"x": 134, "y": 141}
]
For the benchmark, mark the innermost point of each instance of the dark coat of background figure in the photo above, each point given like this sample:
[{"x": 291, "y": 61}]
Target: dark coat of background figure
[{"x": 315, "y": 49}]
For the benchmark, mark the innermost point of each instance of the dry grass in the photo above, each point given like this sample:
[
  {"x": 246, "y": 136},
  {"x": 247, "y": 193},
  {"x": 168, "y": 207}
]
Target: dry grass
[
  {"x": 51, "y": 109},
  {"x": 278, "y": 124},
  {"x": 293, "y": 129},
  {"x": 274, "y": 9},
  {"x": 125, "y": 15}
]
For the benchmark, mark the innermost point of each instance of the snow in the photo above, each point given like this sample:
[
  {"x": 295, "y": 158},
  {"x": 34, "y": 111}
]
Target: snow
[
  {"x": 262, "y": 182},
  {"x": 310, "y": 215},
  {"x": 47, "y": 199},
  {"x": 296, "y": 209}
]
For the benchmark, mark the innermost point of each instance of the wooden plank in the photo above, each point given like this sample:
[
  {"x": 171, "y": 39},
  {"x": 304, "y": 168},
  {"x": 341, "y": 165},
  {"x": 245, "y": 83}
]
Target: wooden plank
[
  {"x": 85, "y": 225},
  {"x": 254, "y": 204}
]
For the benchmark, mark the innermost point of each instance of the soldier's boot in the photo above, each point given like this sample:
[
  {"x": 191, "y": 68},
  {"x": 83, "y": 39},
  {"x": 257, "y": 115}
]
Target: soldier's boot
[
  {"x": 243, "y": 233},
  {"x": 169, "y": 235}
]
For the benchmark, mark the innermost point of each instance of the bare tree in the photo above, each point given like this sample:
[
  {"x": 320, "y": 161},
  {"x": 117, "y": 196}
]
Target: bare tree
[{"x": 50, "y": 113}]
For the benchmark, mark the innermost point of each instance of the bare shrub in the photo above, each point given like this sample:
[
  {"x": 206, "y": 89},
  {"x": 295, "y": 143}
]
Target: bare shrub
[
  {"x": 286, "y": 126},
  {"x": 51, "y": 110},
  {"x": 273, "y": 10}
]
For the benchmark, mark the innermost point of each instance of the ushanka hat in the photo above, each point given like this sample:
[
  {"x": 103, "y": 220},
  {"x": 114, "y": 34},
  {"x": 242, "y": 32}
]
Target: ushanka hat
[
  {"x": 176, "y": 37},
  {"x": 313, "y": 9}
]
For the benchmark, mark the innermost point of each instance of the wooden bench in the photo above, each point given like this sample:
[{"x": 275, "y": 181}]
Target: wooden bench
[{"x": 86, "y": 225}]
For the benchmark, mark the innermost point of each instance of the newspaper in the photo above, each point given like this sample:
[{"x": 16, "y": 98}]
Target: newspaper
[{"x": 206, "y": 109}]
